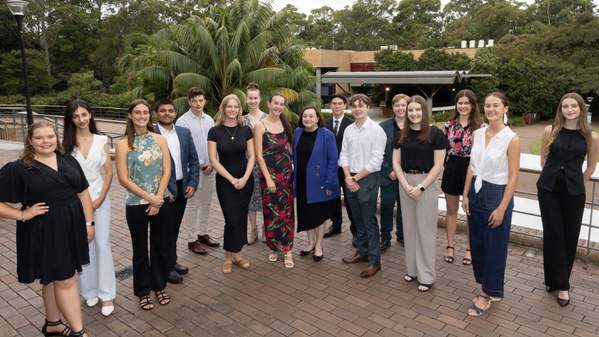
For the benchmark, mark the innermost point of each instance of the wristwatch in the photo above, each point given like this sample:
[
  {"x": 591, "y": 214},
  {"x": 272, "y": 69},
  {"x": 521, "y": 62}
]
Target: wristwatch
[
  {"x": 421, "y": 187},
  {"x": 90, "y": 223}
]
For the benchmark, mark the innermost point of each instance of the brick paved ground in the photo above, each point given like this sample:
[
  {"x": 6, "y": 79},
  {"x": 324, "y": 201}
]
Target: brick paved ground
[{"x": 324, "y": 299}]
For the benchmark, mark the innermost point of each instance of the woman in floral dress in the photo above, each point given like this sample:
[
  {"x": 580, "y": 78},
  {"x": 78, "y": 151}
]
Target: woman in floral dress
[
  {"x": 459, "y": 129},
  {"x": 276, "y": 179}
]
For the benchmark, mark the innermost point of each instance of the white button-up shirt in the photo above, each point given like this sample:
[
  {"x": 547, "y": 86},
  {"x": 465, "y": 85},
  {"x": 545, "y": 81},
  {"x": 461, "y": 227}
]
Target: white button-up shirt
[
  {"x": 174, "y": 147},
  {"x": 363, "y": 147},
  {"x": 490, "y": 162},
  {"x": 199, "y": 127}
]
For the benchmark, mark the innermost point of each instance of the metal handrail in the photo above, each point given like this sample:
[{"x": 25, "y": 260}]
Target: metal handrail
[{"x": 18, "y": 120}]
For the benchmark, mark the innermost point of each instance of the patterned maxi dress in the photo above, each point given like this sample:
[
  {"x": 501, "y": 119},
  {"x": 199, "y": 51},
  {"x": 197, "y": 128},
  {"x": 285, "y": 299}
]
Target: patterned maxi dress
[
  {"x": 256, "y": 201},
  {"x": 278, "y": 206}
]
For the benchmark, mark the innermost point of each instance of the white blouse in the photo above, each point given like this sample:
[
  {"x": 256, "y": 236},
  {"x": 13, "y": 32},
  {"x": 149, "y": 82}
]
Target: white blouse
[
  {"x": 489, "y": 162},
  {"x": 92, "y": 165}
]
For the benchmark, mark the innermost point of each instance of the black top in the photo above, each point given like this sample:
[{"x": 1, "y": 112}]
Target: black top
[
  {"x": 566, "y": 155},
  {"x": 421, "y": 156},
  {"x": 231, "y": 146},
  {"x": 50, "y": 246},
  {"x": 304, "y": 151}
]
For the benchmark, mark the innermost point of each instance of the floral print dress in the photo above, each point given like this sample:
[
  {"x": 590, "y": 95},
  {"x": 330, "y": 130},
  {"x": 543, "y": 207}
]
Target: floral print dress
[
  {"x": 279, "y": 218},
  {"x": 145, "y": 167}
]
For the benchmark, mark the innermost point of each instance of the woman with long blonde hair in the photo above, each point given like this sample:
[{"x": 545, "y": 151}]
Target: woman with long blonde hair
[
  {"x": 561, "y": 190},
  {"x": 231, "y": 153}
]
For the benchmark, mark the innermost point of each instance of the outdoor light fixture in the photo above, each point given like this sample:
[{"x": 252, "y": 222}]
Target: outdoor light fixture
[
  {"x": 17, "y": 8},
  {"x": 387, "y": 88}
]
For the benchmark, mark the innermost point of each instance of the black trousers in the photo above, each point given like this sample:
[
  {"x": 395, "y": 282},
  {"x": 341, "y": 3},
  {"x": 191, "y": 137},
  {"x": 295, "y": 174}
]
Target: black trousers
[
  {"x": 337, "y": 219},
  {"x": 177, "y": 209},
  {"x": 562, "y": 217},
  {"x": 149, "y": 271}
]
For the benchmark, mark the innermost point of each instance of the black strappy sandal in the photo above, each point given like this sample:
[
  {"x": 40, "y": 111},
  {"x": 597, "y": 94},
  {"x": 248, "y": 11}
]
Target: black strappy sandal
[
  {"x": 450, "y": 259},
  {"x": 409, "y": 278},
  {"x": 79, "y": 333},
  {"x": 163, "y": 297},
  {"x": 145, "y": 303},
  {"x": 466, "y": 261},
  {"x": 65, "y": 332}
]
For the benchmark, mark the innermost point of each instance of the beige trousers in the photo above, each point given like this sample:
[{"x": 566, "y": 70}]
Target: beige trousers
[
  {"x": 420, "y": 229},
  {"x": 198, "y": 208}
]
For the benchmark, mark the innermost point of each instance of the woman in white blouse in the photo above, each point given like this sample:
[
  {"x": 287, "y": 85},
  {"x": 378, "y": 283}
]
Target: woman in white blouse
[
  {"x": 488, "y": 200},
  {"x": 90, "y": 149}
]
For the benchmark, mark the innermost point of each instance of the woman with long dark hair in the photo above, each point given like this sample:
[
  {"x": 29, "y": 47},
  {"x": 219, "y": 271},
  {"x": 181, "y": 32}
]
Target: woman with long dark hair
[
  {"x": 488, "y": 200},
  {"x": 417, "y": 161},
  {"x": 54, "y": 224},
  {"x": 459, "y": 129},
  {"x": 316, "y": 182},
  {"x": 231, "y": 153},
  {"x": 273, "y": 152},
  {"x": 143, "y": 166},
  {"x": 82, "y": 140},
  {"x": 561, "y": 190}
]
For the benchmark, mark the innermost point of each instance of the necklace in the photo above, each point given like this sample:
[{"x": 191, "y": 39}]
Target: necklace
[{"x": 234, "y": 132}]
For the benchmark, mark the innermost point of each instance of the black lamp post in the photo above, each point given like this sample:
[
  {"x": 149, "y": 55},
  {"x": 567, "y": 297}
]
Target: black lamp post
[{"x": 17, "y": 8}]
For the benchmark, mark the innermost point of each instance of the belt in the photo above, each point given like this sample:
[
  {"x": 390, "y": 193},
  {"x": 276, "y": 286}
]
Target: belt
[{"x": 415, "y": 172}]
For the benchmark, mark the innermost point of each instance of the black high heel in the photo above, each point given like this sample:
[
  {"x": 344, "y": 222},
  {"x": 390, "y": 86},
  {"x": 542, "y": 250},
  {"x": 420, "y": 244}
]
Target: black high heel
[
  {"x": 306, "y": 252},
  {"x": 317, "y": 258},
  {"x": 65, "y": 332}
]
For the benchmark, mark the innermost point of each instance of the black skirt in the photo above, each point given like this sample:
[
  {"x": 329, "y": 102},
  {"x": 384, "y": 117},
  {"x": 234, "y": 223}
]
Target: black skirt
[{"x": 454, "y": 175}]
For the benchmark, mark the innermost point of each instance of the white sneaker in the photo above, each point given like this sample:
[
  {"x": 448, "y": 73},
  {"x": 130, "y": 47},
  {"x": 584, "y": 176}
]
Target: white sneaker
[
  {"x": 92, "y": 301},
  {"x": 107, "y": 310}
]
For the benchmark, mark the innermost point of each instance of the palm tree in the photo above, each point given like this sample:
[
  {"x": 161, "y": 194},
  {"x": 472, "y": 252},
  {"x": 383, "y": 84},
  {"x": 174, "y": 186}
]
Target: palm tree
[{"x": 234, "y": 44}]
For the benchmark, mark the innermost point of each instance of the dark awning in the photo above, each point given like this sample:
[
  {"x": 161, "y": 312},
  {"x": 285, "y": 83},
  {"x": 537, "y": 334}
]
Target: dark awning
[{"x": 401, "y": 77}]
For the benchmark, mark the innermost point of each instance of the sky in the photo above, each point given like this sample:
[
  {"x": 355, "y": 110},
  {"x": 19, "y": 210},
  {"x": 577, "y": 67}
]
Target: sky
[{"x": 305, "y": 6}]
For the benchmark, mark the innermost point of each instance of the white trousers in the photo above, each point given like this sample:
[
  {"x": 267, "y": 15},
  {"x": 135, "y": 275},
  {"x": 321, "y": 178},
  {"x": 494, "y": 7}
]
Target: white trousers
[
  {"x": 198, "y": 208},
  {"x": 97, "y": 278}
]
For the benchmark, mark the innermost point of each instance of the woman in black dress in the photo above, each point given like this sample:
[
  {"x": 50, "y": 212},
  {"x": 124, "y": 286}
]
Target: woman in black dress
[
  {"x": 54, "y": 224},
  {"x": 231, "y": 152},
  {"x": 561, "y": 190},
  {"x": 316, "y": 181}
]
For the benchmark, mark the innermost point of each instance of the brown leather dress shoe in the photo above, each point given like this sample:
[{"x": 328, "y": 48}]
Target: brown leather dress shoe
[
  {"x": 370, "y": 271},
  {"x": 357, "y": 258},
  {"x": 196, "y": 248},
  {"x": 208, "y": 241}
]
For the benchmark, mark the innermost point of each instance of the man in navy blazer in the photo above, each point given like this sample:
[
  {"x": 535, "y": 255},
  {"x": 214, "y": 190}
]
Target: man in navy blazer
[
  {"x": 185, "y": 174},
  {"x": 337, "y": 124}
]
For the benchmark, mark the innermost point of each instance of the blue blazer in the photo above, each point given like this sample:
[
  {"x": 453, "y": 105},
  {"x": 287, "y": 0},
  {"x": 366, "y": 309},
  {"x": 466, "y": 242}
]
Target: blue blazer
[
  {"x": 321, "y": 171},
  {"x": 189, "y": 161}
]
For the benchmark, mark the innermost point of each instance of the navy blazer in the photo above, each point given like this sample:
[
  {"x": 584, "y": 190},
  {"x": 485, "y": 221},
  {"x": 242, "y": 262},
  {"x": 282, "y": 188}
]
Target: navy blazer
[
  {"x": 189, "y": 161},
  {"x": 388, "y": 126},
  {"x": 321, "y": 171}
]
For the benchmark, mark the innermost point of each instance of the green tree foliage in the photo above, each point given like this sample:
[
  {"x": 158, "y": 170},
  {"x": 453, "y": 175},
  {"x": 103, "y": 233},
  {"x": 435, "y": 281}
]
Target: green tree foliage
[
  {"x": 320, "y": 29},
  {"x": 366, "y": 25},
  {"x": 392, "y": 60},
  {"x": 418, "y": 23},
  {"x": 237, "y": 43},
  {"x": 10, "y": 68}
]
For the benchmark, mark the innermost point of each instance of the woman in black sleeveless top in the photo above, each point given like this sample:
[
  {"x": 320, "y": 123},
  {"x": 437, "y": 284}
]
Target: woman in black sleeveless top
[{"x": 561, "y": 190}]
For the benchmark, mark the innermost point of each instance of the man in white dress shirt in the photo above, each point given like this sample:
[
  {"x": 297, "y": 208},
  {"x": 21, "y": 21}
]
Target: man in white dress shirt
[
  {"x": 361, "y": 157},
  {"x": 198, "y": 207},
  {"x": 185, "y": 173}
]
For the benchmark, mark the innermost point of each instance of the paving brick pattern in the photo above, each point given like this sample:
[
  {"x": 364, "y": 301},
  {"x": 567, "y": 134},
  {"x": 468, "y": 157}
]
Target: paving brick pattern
[{"x": 313, "y": 299}]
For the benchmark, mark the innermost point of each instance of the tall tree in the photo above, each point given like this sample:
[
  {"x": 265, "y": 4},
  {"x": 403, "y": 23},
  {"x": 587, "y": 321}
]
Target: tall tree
[
  {"x": 366, "y": 25},
  {"x": 242, "y": 42},
  {"x": 418, "y": 23}
]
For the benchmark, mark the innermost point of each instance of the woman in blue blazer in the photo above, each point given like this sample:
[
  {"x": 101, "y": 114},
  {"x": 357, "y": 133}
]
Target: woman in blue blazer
[{"x": 316, "y": 183}]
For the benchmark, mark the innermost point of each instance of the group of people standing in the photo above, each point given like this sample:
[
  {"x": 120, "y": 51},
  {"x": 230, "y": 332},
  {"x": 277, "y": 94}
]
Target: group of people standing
[{"x": 261, "y": 164}]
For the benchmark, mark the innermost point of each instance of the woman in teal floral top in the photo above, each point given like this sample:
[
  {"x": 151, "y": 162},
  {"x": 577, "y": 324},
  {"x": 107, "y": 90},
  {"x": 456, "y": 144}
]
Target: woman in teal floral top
[{"x": 143, "y": 166}]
